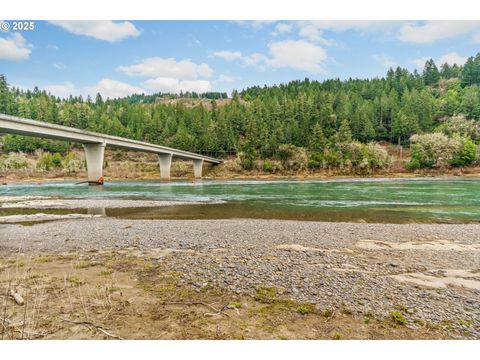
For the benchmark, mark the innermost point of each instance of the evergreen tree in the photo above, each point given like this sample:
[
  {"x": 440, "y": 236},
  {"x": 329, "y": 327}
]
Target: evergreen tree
[{"x": 430, "y": 74}]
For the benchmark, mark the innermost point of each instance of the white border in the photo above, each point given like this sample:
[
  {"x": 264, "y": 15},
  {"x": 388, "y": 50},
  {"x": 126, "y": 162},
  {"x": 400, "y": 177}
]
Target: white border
[{"x": 239, "y": 10}]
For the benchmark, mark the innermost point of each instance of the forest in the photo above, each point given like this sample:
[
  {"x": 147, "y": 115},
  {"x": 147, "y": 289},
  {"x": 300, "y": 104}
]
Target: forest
[{"x": 328, "y": 124}]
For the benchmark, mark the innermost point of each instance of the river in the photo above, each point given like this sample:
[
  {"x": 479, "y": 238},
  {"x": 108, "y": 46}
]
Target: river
[{"x": 422, "y": 200}]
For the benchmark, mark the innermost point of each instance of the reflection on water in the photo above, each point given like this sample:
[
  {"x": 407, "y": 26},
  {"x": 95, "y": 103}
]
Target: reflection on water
[{"x": 370, "y": 200}]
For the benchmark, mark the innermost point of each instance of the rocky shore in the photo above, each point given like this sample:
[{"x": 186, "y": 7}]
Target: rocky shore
[{"x": 428, "y": 273}]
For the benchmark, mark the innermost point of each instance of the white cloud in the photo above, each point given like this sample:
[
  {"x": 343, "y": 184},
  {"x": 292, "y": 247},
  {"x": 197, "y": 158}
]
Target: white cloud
[
  {"x": 171, "y": 85},
  {"x": 449, "y": 58},
  {"x": 311, "y": 31},
  {"x": 168, "y": 68},
  {"x": 225, "y": 78},
  {"x": 297, "y": 54},
  {"x": 452, "y": 58},
  {"x": 59, "y": 66},
  {"x": 62, "y": 90},
  {"x": 113, "y": 89},
  {"x": 420, "y": 62},
  {"x": 255, "y": 59},
  {"x": 359, "y": 25},
  {"x": 228, "y": 55},
  {"x": 431, "y": 31},
  {"x": 254, "y": 24},
  {"x": 281, "y": 28},
  {"x": 384, "y": 60},
  {"x": 100, "y": 29},
  {"x": 14, "y": 47}
]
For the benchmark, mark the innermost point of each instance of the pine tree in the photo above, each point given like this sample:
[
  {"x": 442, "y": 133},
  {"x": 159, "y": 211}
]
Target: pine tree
[{"x": 431, "y": 75}]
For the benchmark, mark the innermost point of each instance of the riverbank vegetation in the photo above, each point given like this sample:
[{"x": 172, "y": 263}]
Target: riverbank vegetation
[{"x": 346, "y": 126}]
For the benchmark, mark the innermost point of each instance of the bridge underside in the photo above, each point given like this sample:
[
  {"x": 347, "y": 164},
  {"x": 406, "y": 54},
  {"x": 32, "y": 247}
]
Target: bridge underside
[{"x": 94, "y": 146}]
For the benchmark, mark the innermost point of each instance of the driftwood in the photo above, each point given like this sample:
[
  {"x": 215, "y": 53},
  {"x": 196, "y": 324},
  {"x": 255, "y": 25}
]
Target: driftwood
[{"x": 99, "y": 328}]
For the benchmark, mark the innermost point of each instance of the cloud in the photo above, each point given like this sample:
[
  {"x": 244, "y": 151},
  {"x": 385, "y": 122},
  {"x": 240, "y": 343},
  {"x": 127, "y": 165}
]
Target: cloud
[
  {"x": 449, "y": 58},
  {"x": 420, "y": 62},
  {"x": 254, "y": 59},
  {"x": 254, "y": 24},
  {"x": 384, "y": 60},
  {"x": 99, "y": 29},
  {"x": 62, "y": 90},
  {"x": 14, "y": 47},
  {"x": 225, "y": 78},
  {"x": 452, "y": 58},
  {"x": 59, "y": 66},
  {"x": 113, "y": 89},
  {"x": 432, "y": 31},
  {"x": 359, "y": 25},
  {"x": 171, "y": 85},
  {"x": 282, "y": 28},
  {"x": 157, "y": 67},
  {"x": 311, "y": 31},
  {"x": 228, "y": 55},
  {"x": 296, "y": 54}
]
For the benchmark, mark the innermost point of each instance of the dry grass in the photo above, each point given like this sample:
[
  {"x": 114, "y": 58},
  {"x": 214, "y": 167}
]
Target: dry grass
[{"x": 112, "y": 295}]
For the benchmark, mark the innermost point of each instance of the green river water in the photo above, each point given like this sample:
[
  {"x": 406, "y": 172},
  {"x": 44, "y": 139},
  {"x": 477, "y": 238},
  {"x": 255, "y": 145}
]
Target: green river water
[{"x": 449, "y": 200}]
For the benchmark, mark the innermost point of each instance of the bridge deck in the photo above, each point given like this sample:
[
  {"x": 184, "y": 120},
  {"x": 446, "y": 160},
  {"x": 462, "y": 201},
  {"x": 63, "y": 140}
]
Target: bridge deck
[{"x": 15, "y": 125}]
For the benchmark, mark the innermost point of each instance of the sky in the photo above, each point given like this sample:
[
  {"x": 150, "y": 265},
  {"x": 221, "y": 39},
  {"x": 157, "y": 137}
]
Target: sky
[{"x": 120, "y": 58}]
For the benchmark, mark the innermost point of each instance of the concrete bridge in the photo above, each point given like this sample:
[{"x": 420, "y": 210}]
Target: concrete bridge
[{"x": 94, "y": 145}]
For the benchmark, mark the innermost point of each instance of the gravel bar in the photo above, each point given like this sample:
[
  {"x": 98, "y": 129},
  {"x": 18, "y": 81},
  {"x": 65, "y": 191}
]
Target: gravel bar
[{"x": 429, "y": 272}]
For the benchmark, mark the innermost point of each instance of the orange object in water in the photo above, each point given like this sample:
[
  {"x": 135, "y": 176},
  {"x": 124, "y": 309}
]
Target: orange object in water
[{"x": 100, "y": 180}]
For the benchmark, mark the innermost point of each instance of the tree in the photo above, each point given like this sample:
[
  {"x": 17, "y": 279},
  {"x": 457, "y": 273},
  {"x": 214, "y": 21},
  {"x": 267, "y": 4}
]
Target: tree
[
  {"x": 430, "y": 74},
  {"x": 403, "y": 126},
  {"x": 471, "y": 71},
  {"x": 317, "y": 140}
]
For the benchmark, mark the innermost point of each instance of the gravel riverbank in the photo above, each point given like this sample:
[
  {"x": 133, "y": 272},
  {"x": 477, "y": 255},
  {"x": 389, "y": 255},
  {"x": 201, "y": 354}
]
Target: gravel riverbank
[{"x": 430, "y": 273}]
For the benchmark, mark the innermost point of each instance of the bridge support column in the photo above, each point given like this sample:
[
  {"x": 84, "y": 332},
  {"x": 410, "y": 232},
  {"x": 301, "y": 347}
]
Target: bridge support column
[
  {"x": 94, "y": 155},
  {"x": 165, "y": 161},
  {"x": 197, "y": 168}
]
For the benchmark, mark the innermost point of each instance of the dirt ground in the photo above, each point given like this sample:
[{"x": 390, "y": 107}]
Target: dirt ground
[{"x": 120, "y": 295}]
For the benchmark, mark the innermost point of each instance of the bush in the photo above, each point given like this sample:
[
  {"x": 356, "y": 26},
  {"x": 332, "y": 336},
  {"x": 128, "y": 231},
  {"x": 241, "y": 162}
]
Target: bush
[
  {"x": 267, "y": 166},
  {"x": 377, "y": 157},
  {"x": 332, "y": 159},
  {"x": 315, "y": 161},
  {"x": 71, "y": 164},
  {"x": 434, "y": 150},
  {"x": 292, "y": 157},
  {"x": 48, "y": 161},
  {"x": 13, "y": 161},
  {"x": 459, "y": 125},
  {"x": 466, "y": 155}
]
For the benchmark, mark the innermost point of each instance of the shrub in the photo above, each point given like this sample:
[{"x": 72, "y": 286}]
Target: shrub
[
  {"x": 377, "y": 157},
  {"x": 13, "y": 161},
  {"x": 247, "y": 159},
  {"x": 461, "y": 126},
  {"x": 398, "y": 318},
  {"x": 48, "y": 161},
  {"x": 56, "y": 160},
  {"x": 332, "y": 158},
  {"x": 466, "y": 155},
  {"x": 292, "y": 157},
  {"x": 267, "y": 166},
  {"x": 71, "y": 164},
  {"x": 434, "y": 150},
  {"x": 315, "y": 161}
]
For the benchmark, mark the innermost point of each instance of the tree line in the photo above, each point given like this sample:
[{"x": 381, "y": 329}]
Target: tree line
[{"x": 258, "y": 120}]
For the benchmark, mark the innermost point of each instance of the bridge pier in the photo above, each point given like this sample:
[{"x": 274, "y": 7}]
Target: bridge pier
[
  {"x": 197, "y": 168},
  {"x": 165, "y": 161},
  {"x": 94, "y": 154}
]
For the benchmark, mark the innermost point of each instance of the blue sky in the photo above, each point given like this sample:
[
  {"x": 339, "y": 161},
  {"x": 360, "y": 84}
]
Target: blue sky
[{"x": 118, "y": 58}]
